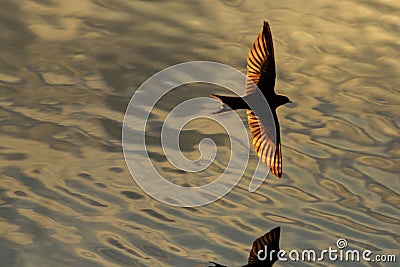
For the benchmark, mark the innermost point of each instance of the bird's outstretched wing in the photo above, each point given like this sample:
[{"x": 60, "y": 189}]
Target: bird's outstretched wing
[
  {"x": 271, "y": 240},
  {"x": 261, "y": 63},
  {"x": 268, "y": 150},
  {"x": 261, "y": 73}
]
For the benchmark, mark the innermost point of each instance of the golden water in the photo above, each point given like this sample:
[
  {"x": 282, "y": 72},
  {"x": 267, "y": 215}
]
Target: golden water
[{"x": 69, "y": 68}]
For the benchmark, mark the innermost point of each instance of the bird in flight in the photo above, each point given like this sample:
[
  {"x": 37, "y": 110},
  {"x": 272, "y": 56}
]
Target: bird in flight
[
  {"x": 263, "y": 252},
  {"x": 261, "y": 73}
]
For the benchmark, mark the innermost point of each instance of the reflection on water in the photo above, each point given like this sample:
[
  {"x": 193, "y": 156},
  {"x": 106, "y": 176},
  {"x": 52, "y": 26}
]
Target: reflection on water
[{"x": 69, "y": 68}]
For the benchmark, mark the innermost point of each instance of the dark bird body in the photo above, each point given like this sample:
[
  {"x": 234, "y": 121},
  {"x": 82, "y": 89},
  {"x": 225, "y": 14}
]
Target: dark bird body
[
  {"x": 269, "y": 240},
  {"x": 261, "y": 73}
]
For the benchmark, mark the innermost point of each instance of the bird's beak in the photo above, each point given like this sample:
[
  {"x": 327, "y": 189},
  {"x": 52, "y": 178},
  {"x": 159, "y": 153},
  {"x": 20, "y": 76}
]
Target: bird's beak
[{"x": 290, "y": 101}]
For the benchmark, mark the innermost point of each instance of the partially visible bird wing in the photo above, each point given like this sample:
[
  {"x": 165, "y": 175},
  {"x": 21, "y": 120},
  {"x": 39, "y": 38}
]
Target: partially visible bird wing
[
  {"x": 261, "y": 63},
  {"x": 271, "y": 240},
  {"x": 261, "y": 72}
]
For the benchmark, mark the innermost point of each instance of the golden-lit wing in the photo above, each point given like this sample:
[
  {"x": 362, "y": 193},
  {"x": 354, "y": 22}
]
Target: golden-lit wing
[
  {"x": 261, "y": 63},
  {"x": 271, "y": 240},
  {"x": 261, "y": 72},
  {"x": 268, "y": 150}
]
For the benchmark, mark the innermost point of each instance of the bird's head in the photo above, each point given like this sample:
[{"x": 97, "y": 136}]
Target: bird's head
[{"x": 282, "y": 100}]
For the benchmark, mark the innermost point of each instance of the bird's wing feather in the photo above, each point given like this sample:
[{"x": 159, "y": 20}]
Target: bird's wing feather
[
  {"x": 270, "y": 239},
  {"x": 261, "y": 63},
  {"x": 268, "y": 146}
]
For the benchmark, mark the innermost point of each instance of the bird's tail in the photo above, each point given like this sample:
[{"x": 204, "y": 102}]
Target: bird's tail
[
  {"x": 229, "y": 103},
  {"x": 224, "y": 105}
]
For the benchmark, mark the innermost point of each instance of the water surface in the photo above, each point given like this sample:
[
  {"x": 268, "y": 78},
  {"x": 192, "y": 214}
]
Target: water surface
[{"x": 69, "y": 68}]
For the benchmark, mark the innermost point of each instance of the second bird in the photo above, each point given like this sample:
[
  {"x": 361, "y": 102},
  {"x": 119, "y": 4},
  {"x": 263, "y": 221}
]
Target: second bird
[{"x": 261, "y": 73}]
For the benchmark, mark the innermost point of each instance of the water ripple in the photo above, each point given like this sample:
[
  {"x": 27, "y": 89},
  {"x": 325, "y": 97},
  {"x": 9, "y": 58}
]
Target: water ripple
[{"x": 68, "y": 70}]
